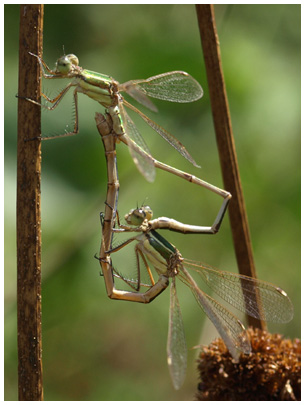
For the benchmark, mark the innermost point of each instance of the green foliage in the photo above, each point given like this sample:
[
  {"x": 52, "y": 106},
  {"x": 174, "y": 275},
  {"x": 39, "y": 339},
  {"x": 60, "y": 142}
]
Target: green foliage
[{"x": 97, "y": 349}]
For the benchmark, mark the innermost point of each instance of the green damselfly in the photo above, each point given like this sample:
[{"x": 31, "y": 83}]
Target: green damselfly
[
  {"x": 109, "y": 139},
  {"x": 242, "y": 292},
  {"x": 176, "y": 86}
]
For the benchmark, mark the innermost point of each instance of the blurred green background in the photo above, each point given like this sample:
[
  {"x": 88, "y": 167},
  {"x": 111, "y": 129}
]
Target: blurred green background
[{"x": 98, "y": 349}]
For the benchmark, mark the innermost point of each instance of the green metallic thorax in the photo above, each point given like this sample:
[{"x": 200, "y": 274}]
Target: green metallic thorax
[
  {"x": 96, "y": 79},
  {"x": 97, "y": 86},
  {"x": 159, "y": 243},
  {"x": 157, "y": 250}
]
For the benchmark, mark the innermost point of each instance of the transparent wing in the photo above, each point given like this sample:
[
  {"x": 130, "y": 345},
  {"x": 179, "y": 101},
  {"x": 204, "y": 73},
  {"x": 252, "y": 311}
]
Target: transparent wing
[
  {"x": 176, "y": 344},
  {"x": 176, "y": 86},
  {"x": 166, "y": 135},
  {"x": 143, "y": 162},
  {"x": 136, "y": 93},
  {"x": 243, "y": 292},
  {"x": 138, "y": 276},
  {"x": 132, "y": 282},
  {"x": 228, "y": 326}
]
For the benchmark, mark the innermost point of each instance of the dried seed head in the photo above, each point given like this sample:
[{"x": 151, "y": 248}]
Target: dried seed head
[{"x": 271, "y": 372}]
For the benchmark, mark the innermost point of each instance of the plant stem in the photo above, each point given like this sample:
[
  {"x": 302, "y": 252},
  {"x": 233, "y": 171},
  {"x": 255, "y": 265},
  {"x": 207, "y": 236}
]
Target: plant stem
[
  {"x": 226, "y": 145},
  {"x": 28, "y": 207}
]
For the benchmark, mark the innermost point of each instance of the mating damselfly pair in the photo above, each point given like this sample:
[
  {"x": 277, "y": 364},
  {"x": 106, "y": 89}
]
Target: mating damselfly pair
[{"x": 257, "y": 298}]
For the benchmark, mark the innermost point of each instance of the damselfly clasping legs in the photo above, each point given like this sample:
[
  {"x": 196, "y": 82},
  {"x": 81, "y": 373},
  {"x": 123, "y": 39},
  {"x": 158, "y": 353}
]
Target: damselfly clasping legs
[
  {"x": 176, "y": 86},
  {"x": 241, "y": 292}
]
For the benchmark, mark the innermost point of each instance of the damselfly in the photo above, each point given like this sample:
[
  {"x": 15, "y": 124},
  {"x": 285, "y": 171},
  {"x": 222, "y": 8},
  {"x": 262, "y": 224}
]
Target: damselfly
[
  {"x": 109, "y": 137},
  {"x": 176, "y": 86},
  {"x": 241, "y": 292}
]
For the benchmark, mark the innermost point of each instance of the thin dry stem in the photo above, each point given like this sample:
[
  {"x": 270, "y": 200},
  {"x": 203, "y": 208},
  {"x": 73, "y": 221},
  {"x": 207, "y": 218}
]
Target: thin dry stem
[{"x": 28, "y": 208}]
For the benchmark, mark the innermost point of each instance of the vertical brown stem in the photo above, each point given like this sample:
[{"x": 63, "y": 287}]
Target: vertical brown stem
[
  {"x": 226, "y": 146},
  {"x": 28, "y": 207}
]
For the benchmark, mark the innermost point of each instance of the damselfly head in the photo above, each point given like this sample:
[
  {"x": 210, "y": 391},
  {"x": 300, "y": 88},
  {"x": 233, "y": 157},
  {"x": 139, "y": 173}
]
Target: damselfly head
[
  {"x": 65, "y": 64},
  {"x": 137, "y": 215}
]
